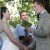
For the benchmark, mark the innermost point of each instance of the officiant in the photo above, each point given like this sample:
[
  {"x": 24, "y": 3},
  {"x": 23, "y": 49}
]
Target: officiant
[{"x": 21, "y": 32}]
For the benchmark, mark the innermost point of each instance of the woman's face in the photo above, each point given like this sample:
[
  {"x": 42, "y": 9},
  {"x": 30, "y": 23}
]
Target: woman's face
[{"x": 7, "y": 14}]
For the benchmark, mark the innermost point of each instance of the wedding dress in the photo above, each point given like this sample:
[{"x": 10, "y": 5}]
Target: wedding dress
[{"x": 7, "y": 44}]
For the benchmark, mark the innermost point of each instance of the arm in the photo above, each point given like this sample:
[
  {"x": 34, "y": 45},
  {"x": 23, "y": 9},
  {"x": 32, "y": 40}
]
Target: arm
[
  {"x": 17, "y": 33},
  {"x": 11, "y": 37},
  {"x": 43, "y": 29}
]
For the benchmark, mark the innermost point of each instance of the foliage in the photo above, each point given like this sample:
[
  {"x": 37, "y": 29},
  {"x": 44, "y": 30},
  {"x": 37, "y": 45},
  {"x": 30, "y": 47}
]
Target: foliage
[
  {"x": 28, "y": 6},
  {"x": 2, "y": 4},
  {"x": 23, "y": 4},
  {"x": 15, "y": 22}
]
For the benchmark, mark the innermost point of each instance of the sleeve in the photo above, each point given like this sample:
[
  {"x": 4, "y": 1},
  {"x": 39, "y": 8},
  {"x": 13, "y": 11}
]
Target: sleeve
[
  {"x": 32, "y": 44},
  {"x": 17, "y": 33}
]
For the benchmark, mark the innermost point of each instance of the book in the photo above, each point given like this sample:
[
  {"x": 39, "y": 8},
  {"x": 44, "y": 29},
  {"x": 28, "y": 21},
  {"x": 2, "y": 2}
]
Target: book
[{"x": 26, "y": 24}]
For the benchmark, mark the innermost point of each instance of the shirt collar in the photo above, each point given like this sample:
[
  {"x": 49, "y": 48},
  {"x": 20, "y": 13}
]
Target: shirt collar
[{"x": 43, "y": 11}]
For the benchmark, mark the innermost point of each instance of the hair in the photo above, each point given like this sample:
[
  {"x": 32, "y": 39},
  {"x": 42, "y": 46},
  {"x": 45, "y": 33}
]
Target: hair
[
  {"x": 2, "y": 10},
  {"x": 42, "y": 2},
  {"x": 22, "y": 12}
]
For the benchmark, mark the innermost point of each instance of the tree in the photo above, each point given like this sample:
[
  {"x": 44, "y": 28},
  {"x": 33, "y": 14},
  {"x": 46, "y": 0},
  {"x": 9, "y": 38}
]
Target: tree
[{"x": 22, "y": 4}]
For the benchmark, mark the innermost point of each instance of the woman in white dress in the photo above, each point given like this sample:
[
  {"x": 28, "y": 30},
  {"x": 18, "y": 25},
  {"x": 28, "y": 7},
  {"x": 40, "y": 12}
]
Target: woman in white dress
[{"x": 9, "y": 41}]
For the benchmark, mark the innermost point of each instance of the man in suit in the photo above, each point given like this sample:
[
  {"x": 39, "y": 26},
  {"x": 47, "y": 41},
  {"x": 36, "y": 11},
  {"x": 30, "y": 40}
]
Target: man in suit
[{"x": 42, "y": 32}]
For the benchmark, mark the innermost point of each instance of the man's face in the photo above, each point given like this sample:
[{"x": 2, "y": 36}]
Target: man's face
[
  {"x": 37, "y": 8},
  {"x": 24, "y": 16}
]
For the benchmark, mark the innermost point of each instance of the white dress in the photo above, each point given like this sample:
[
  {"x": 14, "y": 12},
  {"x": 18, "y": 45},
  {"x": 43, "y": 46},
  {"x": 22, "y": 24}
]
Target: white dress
[{"x": 7, "y": 44}]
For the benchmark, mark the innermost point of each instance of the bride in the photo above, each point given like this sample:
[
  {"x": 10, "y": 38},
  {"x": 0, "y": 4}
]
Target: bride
[{"x": 9, "y": 41}]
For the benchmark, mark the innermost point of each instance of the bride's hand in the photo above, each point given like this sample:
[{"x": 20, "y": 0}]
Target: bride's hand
[{"x": 25, "y": 48}]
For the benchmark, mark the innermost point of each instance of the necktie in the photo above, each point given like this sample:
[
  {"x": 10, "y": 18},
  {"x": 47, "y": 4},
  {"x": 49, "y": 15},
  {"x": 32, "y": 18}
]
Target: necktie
[
  {"x": 39, "y": 20},
  {"x": 40, "y": 16}
]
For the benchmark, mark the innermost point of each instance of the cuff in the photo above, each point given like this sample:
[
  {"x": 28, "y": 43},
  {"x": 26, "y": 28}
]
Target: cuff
[{"x": 30, "y": 46}]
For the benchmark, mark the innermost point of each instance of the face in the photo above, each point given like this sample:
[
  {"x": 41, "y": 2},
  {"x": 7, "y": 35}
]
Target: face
[
  {"x": 37, "y": 8},
  {"x": 7, "y": 14},
  {"x": 24, "y": 16}
]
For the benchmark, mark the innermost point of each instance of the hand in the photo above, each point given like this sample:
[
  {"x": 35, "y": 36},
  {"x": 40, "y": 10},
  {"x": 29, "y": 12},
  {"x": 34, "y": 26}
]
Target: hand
[
  {"x": 26, "y": 48},
  {"x": 29, "y": 48},
  {"x": 29, "y": 29}
]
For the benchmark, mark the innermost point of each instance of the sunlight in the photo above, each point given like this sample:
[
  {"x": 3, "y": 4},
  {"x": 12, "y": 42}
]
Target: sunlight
[{"x": 13, "y": 8}]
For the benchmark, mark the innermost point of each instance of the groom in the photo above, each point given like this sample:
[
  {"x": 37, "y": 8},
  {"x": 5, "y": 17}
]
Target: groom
[{"x": 42, "y": 32}]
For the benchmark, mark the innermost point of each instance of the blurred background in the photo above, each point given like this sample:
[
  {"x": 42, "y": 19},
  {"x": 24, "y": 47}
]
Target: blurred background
[{"x": 16, "y": 6}]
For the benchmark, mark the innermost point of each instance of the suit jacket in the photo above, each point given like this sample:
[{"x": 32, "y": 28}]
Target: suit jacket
[{"x": 42, "y": 33}]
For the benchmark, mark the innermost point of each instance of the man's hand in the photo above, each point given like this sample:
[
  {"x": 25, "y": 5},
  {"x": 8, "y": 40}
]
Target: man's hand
[
  {"x": 29, "y": 48},
  {"x": 24, "y": 48},
  {"x": 29, "y": 29}
]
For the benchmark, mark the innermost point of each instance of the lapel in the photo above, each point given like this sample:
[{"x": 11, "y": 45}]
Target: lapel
[{"x": 40, "y": 17}]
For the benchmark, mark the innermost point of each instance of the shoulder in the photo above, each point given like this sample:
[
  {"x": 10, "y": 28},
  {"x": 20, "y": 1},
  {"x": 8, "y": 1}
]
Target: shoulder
[
  {"x": 46, "y": 14},
  {"x": 5, "y": 26},
  {"x": 19, "y": 27}
]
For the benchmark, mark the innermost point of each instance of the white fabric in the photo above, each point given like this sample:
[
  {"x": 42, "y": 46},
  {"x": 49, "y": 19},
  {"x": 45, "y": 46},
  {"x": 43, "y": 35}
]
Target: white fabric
[
  {"x": 7, "y": 44},
  {"x": 43, "y": 11}
]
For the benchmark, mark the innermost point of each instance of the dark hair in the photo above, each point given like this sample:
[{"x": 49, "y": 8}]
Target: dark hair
[
  {"x": 2, "y": 10},
  {"x": 22, "y": 12},
  {"x": 42, "y": 2}
]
